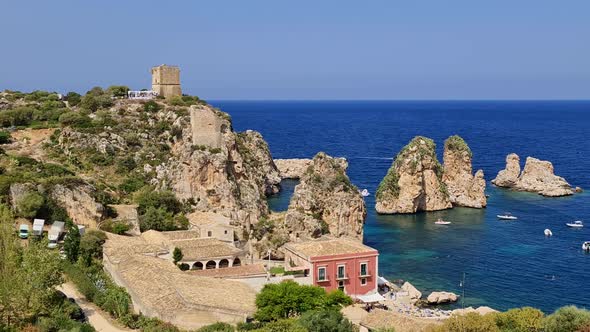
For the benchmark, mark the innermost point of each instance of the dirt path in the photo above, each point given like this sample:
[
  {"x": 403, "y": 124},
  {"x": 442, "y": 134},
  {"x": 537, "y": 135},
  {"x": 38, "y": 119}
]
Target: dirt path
[{"x": 96, "y": 317}]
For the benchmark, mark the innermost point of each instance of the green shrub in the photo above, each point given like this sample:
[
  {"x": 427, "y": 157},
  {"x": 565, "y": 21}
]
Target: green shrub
[
  {"x": 126, "y": 164},
  {"x": 117, "y": 90},
  {"x": 148, "y": 197},
  {"x": 471, "y": 322},
  {"x": 115, "y": 226},
  {"x": 325, "y": 321},
  {"x": 132, "y": 184},
  {"x": 567, "y": 319},
  {"x": 75, "y": 120},
  {"x": 157, "y": 219},
  {"x": 176, "y": 101},
  {"x": 91, "y": 244},
  {"x": 115, "y": 301},
  {"x": 525, "y": 319},
  {"x": 151, "y": 106},
  {"x": 177, "y": 255},
  {"x": 217, "y": 327},
  {"x": 5, "y": 137},
  {"x": 30, "y": 204},
  {"x": 72, "y": 243},
  {"x": 90, "y": 103}
]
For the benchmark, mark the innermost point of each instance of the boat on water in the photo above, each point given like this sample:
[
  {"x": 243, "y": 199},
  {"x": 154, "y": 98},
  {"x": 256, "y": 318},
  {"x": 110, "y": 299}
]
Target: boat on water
[
  {"x": 548, "y": 232},
  {"x": 586, "y": 246},
  {"x": 506, "y": 216},
  {"x": 442, "y": 222},
  {"x": 364, "y": 192},
  {"x": 575, "y": 224}
]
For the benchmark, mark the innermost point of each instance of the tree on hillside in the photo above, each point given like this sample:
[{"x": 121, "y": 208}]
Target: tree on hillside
[
  {"x": 91, "y": 245},
  {"x": 72, "y": 243},
  {"x": 289, "y": 299},
  {"x": 567, "y": 319},
  {"x": 30, "y": 204},
  {"x": 525, "y": 319}
]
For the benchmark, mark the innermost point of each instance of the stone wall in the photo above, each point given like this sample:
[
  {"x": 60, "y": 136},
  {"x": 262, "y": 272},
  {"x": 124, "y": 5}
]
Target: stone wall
[{"x": 206, "y": 127}]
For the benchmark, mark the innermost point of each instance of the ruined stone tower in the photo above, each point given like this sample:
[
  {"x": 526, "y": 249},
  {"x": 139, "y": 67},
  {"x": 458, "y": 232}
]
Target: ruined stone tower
[{"x": 166, "y": 80}]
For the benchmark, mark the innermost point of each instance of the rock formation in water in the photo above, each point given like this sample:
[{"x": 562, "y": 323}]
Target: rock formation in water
[
  {"x": 463, "y": 187},
  {"x": 414, "y": 181},
  {"x": 441, "y": 297},
  {"x": 292, "y": 168},
  {"x": 325, "y": 201},
  {"x": 537, "y": 176},
  {"x": 508, "y": 177}
]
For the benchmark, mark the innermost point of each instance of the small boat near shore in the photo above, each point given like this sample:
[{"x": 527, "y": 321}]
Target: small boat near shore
[
  {"x": 586, "y": 246},
  {"x": 575, "y": 224},
  {"x": 506, "y": 216},
  {"x": 548, "y": 232},
  {"x": 364, "y": 192},
  {"x": 442, "y": 222}
]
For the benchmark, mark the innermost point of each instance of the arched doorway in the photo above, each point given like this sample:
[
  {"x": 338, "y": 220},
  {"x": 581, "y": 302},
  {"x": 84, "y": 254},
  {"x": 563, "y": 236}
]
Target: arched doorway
[
  {"x": 198, "y": 266},
  {"x": 237, "y": 262},
  {"x": 210, "y": 265},
  {"x": 223, "y": 263}
]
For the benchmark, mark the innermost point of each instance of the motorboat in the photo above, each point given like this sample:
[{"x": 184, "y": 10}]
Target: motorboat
[
  {"x": 575, "y": 224},
  {"x": 586, "y": 246},
  {"x": 364, "y": 192},
  {"x": 442, "y": 222},
  {"x": 548, "y": 232},
  {"x": 506, "y": 216}
]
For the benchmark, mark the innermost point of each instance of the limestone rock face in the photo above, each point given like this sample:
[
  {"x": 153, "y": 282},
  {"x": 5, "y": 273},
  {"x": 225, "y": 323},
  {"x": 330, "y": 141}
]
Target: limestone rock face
[
  {"x": 326, "y": 198},
  {"x": 18, "y": 191},
  {"x": 508, "y": 177},
  {"x": 537, "y": 176},
  {"x": 414, "y": 181},
  {"x": 79, "y": 203},
  {"x": 464, "y": 188},
  {"x": 441, "y": 297},
  {"x": 292, "y": 168},
  {"x": 413, "y": 293},
  {"x": 229, "y": 173}
]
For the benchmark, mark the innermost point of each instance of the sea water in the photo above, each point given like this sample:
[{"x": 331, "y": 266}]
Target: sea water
[{"x": 506, "y": 263}]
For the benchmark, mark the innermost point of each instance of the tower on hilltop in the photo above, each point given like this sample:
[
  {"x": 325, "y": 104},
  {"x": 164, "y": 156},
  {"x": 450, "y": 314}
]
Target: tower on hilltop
[{"x": 166, "y": 81}]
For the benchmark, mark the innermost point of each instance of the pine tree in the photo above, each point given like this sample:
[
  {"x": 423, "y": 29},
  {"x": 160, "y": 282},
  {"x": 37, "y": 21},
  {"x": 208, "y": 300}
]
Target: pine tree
[
  {"x": 72, "y": 243},
  {"x": 177, "y": 255}
]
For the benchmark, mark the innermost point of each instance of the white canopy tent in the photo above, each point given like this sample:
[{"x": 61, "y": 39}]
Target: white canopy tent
[
  {"x": 382, "y": 281},
  {"x": 371, "y": 298}
]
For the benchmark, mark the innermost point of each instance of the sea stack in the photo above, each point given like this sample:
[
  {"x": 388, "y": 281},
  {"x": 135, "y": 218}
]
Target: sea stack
[
  {"x": 326, "y": 198},
  {"x": 537, "y": 176},
  {"x": 414, "y": 181},
  {"x": 463, "y": 187}
]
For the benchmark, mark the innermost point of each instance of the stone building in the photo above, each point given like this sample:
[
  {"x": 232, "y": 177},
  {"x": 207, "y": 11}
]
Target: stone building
[{"x": 166, "y": 81}]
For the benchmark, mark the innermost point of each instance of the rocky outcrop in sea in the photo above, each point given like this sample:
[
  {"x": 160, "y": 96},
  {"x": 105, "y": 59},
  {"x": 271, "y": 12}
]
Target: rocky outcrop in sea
[
  {"x": 537, "y": 176},
  {"x": 414, "y": 181},
  {"x": 327, "y": 201},
  {"x": 464, "y": 188},
  {"x": 292, "y": 168}
]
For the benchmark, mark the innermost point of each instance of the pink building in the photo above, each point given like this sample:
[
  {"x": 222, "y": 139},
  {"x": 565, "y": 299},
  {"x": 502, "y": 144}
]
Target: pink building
[{"x": 335, "y": 263}]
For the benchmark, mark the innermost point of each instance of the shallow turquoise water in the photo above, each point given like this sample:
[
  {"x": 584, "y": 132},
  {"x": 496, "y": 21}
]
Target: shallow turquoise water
[{"x": 507, "y": 264}]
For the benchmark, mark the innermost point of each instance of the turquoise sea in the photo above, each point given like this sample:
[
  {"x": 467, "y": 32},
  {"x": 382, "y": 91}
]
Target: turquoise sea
[{"x": 507, "y": 264}]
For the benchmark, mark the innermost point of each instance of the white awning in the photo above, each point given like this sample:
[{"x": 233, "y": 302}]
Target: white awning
[
  {"x": 371, "y": 298},
  {"x": 382, "y": 281}
]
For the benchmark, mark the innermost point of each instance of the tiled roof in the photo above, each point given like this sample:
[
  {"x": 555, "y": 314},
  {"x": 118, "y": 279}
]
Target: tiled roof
[
  {"x": 232, "y": 272},
  {"x": 328, "y": 246},
  {"x": 207, "y": 218},
  {"x": 205, "y": 248}
]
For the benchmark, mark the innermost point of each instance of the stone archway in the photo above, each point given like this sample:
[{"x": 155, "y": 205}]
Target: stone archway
[
  {"x": 223, "y": 263},
  {"x": 210, "y": 265},
  {"x": 197, "y": 266},
  {"x": 237, "y": 262}
]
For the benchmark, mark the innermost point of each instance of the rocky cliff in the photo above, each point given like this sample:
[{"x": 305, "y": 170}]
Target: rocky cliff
[
  {"x": 463, "y": 187},
  {"x": 414, "y": 181},
  {"x": 537, "y": 176},
  {"x": 325, "y": 201},
  {"x": 292, "y": 168}
]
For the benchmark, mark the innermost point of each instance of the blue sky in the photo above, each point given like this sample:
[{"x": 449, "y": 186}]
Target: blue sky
[{"x": 463, "y": 49}]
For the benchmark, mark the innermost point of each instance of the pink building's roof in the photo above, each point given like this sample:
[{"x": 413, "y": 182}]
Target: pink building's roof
[{"x": 329, "y": 247}]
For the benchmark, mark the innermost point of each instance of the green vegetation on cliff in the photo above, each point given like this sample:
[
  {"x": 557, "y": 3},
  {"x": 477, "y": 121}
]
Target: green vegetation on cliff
[{"x": 456, "y": 143}]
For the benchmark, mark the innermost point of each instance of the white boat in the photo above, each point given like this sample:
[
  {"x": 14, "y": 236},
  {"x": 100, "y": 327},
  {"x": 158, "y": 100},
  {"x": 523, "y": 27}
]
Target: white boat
[
  {"x": 442, "y": 222},
  {"x": 364, "y": 192},
  {"x": 548, "y": 232},
  {"x": 586, "y": 246},
  {"x": 506, "y": 216},
  {"x": 575, "y": 224}
]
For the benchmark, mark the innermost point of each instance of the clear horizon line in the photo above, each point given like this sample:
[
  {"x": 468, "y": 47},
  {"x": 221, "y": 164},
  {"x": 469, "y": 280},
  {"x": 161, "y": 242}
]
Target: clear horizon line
[{"x": 405, "y": 100}]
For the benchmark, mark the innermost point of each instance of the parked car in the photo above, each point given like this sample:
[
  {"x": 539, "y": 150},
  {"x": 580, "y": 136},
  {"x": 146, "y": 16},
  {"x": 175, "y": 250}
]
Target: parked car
[
  {"x": 23, "y": 231},
  {"x": 55, "y": 233}
]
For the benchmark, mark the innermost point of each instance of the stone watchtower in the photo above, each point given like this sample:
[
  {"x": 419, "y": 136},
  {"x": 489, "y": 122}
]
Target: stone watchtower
[{"x": 166, "y": 81}]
